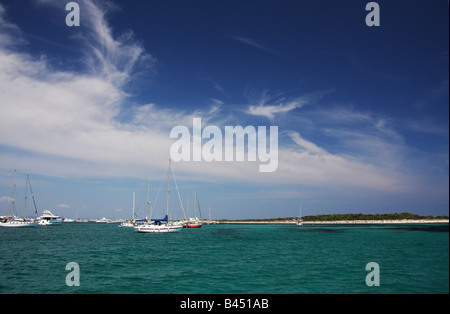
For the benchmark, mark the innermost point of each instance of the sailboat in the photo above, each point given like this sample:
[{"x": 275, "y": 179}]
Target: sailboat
[
  {"x": 299, "y": 220},
  {"x": 209, "y": 221},
  {"x": 194, "y": 222},
  {"x": 129, "y": 223},
  {"x": 13, "y": 221},
  {"x": 133, "y": 221},
  {"x": 162, "y": 225}
]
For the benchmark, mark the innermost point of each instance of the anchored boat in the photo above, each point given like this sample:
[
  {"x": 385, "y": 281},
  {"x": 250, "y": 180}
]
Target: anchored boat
[
  {"x": 13, "y": 221},
  {"x": 194, "y": 222},
  {"x": 162, "y": 225},
  {"x": 159, "y": 226},
  {"x": 49, "y": 219}
]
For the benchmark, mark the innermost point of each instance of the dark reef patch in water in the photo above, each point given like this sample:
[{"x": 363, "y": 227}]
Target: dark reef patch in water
[
  {"x": 429, "y": 228},
  {"x": 321, "y": 230}
]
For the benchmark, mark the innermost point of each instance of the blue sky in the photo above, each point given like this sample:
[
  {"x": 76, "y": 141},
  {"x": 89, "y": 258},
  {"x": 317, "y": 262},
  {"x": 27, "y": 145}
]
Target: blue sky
[{"x": 362, "y": 112}]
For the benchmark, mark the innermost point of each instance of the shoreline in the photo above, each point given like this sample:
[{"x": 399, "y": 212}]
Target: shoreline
[{"x": 340, "y": 222}]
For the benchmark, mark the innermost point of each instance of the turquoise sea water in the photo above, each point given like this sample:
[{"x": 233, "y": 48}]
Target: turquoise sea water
[{"x": 226, "y": 259}]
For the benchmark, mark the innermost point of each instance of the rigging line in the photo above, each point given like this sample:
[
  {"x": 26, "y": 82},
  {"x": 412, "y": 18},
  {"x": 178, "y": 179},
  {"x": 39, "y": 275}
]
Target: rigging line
[
  {"x": 181, "y": 203},
  {"x": 25, "y": 202},
  {"x": 32, "y": 194},
  {"x": 13, "y": 197},
  {"x": 198, "y": 204},
  {"x": 139, "y": 203},
  {"x": 157, "y": 194}
]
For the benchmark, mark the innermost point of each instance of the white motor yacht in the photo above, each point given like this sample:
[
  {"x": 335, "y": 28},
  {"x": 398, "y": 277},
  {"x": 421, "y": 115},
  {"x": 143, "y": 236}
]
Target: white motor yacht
[{"x": 48, "y": 219}]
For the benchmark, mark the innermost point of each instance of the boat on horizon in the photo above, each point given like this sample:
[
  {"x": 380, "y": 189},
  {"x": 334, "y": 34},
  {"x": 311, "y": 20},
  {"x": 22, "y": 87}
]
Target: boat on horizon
[
  {"x": 300, "y": 220},
  {"x": 194, "y": 222},
  {"x": 102, "y": 220}
]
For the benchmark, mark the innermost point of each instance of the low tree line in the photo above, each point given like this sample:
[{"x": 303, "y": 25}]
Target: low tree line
[
  {"x": 394, "y": 216},
  {"x": 337, "y": 217}
]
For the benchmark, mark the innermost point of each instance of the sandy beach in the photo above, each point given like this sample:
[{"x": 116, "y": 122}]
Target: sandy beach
[{"x": 399, "y": 221}]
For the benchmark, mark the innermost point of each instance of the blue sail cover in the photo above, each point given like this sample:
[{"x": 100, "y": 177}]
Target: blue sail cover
[{"x": 164, "y": 219}]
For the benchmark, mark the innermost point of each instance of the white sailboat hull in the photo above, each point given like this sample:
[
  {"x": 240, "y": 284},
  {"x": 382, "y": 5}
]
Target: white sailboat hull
[
  {"x": 18, "y": 224},
  {"x": 158, "y": 229}
]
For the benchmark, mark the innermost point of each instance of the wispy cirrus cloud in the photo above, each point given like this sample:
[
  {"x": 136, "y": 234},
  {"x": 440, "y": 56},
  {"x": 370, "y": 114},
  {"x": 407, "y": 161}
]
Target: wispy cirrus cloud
[
  {"x": 251, "y": 42},
  {"x": 72, "y": 122},
  {"x": 114, "y": 58},
  {"x": 215, "y": 85},
  {"x": 306, "y": 145},
  {"x": 268, "y": 106},
  {"x": 73, "y": 116},
  {"x": 10, "y": 34}
]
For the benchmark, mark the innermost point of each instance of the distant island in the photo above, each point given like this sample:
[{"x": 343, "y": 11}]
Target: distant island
[{"x": 349, "y": 218}]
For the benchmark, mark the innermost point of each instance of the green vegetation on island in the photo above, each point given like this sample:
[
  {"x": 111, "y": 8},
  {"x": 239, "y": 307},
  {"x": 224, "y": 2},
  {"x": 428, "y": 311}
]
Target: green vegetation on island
[
  {"x": 340, "y": 217},
  {"x": 395, "y": 216}
]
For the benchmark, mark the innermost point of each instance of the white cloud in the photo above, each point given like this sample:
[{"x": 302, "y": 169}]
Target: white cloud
[
  {"x": 5, "y": 199},
  {"x": 335, "y": 171},
  {"x": 268, "y": 107},
  {"x": 112, "y": 58},
  {"x": 70, "y": 116},
  {"x": 308, "y": 146},
  {"x": 63, "y": 206},
  {"x": 10, "y": 34},
  {"x": 66, "y": 124}
]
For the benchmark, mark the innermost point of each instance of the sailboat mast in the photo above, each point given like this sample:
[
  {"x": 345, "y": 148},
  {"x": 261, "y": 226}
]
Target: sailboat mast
[
  {"x": 132, "y": 218},
  {"x": 168, "y": 189},
  {"x": 195, "y": 205},
  {"x": 13, "y": 196},
  {"x": 25, "y": 203},
  {"x": 32, "y": 195},
  {"x": 188, "y": 207},
  {"x": 148, "y": 198}
]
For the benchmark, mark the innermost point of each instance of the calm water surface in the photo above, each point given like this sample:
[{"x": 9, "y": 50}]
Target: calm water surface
[{"x": 256, "y": 259}]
